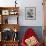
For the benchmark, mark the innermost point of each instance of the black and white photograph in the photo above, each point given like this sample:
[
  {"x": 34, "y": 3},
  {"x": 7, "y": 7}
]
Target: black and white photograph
[{"x": 30, "y": 13}]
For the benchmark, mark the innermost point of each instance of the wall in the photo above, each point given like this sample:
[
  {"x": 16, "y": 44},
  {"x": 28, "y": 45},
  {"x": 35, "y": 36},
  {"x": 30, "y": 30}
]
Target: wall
[
  {"x": 27, "y": 3},
  {"x": 39, "y": 13}
]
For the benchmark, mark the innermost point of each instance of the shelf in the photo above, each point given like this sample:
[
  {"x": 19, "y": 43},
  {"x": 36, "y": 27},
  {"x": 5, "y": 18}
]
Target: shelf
[
  {"x": 9, "y": 7},
  {"x": 11, "y": 41},
  {"x": 10, "y": 26},
  {"x": 9, "y": 11}
]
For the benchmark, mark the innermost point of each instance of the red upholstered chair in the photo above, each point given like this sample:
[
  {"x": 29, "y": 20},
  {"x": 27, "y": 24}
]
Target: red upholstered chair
[{"x": 28, "y": 34}]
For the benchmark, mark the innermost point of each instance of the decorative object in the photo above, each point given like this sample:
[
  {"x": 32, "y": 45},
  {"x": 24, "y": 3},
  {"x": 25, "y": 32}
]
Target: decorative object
[
  {"x": 30, "y": 13},
  {"x": 7, "y": 34},
  {"x": 15, "y": 3},
  {"x": 15, "y": 37},
  {"x": 5, "y": 12},
  {"x": 13, "y": 12}
]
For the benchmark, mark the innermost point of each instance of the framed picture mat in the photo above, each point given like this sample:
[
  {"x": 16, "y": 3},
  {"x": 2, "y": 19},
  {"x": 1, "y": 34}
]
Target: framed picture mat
[{"x": 30, "y": 13}]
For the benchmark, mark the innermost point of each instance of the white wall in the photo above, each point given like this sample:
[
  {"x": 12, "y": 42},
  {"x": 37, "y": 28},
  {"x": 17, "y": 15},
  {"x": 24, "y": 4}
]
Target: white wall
[{"x": 27, "y": 3}]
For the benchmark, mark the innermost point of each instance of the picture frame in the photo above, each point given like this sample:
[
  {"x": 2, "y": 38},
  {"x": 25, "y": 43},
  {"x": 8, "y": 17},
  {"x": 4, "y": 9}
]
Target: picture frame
[
  {"x": 5, "y": 12},
  {"x": 30, "y": 13}
]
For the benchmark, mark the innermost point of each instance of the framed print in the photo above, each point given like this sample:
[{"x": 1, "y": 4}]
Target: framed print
[
  {"x": 30, "y": 13},
  {"x": 5, "y": 12}
]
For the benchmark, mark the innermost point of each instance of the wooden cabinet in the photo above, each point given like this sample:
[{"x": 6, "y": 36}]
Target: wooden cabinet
[{"x": 8, "y": 25}]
